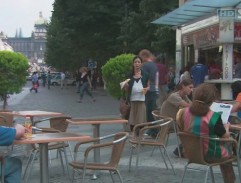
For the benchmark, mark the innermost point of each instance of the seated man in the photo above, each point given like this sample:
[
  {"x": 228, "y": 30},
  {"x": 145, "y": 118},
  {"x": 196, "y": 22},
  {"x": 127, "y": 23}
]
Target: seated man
[{"x": 12, "y": 165}]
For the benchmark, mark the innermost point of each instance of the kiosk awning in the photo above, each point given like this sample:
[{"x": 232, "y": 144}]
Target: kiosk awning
[{"x": 193, "y": 10}]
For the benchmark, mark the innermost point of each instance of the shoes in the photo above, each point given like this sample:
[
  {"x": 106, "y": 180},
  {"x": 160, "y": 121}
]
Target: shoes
[
  {"x": 177, "y": 153},
  {"x": 94, "y": 100},
  {"x": 79, "y": 101}
]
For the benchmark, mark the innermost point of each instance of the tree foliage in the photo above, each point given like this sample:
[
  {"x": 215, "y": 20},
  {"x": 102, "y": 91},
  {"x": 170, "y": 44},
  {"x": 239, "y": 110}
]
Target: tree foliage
[
  {"x": 115, "y": 71},
  {"x": 81, "y": 29},
  {"x": 13, "y": 71}
]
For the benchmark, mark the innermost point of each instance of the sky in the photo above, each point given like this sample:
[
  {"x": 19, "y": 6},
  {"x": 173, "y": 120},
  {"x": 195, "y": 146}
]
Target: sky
[{"x": 16, "y": 14}]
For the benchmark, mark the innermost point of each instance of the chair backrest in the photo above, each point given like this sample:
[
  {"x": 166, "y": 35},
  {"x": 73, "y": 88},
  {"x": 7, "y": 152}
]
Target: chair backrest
[
  {"x": 117, "y": 148},
  {"x": 6, "y": 119},
  {"x": 193, "y": 148},
  {"x": 59, "y": 123},
  {"x": 156, "y": 114}
]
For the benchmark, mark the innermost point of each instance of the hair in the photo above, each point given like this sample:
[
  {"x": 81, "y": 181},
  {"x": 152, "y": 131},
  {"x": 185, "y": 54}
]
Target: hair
[
  {"x": 133, "y": 60},
  {"x": 236, "y": 88},
  {"x": 201, "y": 59},
  {"x": 203, "y": 97},
  {"x": 145, "y": 54},
  {"x": 184, "y": 82}
]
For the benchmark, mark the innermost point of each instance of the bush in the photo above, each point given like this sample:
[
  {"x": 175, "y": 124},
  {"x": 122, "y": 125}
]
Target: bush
[
  {"x": 115, "y": 71},
  {"x": 13, "y": 71}
]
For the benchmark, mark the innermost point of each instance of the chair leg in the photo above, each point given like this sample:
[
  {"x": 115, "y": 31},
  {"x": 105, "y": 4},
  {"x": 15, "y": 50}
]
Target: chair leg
[
  {"x": 137, "y": 157},
  {"x": 206, "y": 176},
  {"x": 212, "y": 175},
  {"x": 70, "y": 150},
  {"x": 130, "y": 159},
  {"x": 61, "y": 159},
  {"x": 169, "y": 159},
  {"x": 183, "y": 175},
  {"x": 73, "y": 175},
  {"x": 178, "y": 144},
  {"x": 30, "y": 163},
  {"x": 66, "y": 161},
  {"x": 119, "y": 175},
  {"x": 112, "y": 178},
  {"x": 163, "y": 158}
]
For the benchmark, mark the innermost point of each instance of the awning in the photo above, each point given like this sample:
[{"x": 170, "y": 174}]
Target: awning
[{"x": 193, "y": 10}]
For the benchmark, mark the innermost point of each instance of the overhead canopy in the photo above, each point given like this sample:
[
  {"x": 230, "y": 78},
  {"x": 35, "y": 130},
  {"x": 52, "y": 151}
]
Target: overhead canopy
[{"x": 194, "y": 9}]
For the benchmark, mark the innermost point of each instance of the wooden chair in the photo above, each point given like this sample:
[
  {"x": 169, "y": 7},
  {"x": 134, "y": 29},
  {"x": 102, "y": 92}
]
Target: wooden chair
[
  {"x": 56, "y": 125},
  {"x": 193, "y": 147},
  {"x": 172, "y": 129},
  {"x": 116, "y": 145},
  {"x": 138, "y": 139}
]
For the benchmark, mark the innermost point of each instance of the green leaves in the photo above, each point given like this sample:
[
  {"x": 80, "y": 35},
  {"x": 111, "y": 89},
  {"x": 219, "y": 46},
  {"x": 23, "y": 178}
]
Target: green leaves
[
  {"x": 13, "y": 72},
  {"x": 115, "y": 71}
]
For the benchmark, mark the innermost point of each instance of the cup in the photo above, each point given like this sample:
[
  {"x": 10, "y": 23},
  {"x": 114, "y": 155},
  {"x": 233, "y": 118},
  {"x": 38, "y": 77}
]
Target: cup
[{"x": 28, "y": 126}]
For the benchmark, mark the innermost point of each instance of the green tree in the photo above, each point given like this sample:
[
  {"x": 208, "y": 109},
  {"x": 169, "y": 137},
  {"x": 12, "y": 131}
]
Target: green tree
[
  {"x": 115, "y": 71},
  {"x": 137, "y": 31},
  {"x": 13, "y": 71},
  {"x": 80, "y": 30}
]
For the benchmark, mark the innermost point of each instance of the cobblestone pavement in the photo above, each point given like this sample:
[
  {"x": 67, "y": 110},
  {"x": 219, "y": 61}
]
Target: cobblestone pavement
[{"x": 151, "y": 168}]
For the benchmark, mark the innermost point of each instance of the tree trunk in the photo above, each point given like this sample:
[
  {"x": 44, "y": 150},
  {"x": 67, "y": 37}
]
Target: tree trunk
[{"x": 4, "y": 97}]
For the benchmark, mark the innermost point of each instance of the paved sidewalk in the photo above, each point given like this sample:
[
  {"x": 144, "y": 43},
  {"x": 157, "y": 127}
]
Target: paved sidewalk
[{"x": 151, "y": 169}]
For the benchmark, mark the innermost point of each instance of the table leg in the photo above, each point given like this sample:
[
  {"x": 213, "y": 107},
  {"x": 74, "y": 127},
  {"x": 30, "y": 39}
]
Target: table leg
[
  {"x": 44, "y": 172},
  {"x": 96, "y": 134}
]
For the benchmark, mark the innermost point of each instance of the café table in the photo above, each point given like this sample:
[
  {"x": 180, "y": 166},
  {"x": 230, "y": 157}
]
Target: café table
[
  {"x": 33, "y": 113},
  {"x": 43, "y": 139},
  {"x": 96, "y": 129}
]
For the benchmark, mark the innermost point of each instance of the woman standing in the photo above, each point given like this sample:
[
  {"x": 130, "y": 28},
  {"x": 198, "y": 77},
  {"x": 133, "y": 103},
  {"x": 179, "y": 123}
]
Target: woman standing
[
  {"x": 85, "y": 83},
  {"x": 137, "y": 88},
  {"x": 199, "y": 120}
]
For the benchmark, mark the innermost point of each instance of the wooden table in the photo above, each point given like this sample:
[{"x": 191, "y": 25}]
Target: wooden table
[
  {"x": 34, "y": 113},
  {"x": 96, "y": 129},
  {"x": 43, "y": 139}
]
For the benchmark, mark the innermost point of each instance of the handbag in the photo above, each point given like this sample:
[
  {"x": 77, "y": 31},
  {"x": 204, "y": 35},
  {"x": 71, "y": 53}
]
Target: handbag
[{"x": 125, "y": 107}]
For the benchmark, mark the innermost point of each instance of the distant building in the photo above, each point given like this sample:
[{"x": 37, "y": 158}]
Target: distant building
[{"x": 32, "y": 47}]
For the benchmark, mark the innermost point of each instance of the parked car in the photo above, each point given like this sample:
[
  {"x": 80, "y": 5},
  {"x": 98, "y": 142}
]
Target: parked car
[{"x": 56, "y": 80}]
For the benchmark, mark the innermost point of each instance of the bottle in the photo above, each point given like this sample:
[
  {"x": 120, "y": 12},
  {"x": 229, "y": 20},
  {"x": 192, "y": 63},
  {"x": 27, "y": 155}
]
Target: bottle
[{"x": 28, "y": 126}]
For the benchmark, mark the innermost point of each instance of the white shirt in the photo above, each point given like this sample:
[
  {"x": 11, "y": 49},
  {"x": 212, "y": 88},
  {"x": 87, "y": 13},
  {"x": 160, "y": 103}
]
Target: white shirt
[{"x": 137, "y": 92}]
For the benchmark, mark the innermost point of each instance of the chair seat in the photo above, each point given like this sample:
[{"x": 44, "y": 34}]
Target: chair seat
[{"x": 93, "y": 166}]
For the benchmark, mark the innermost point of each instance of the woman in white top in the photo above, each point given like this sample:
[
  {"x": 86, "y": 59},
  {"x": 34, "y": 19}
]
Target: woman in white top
[{"x": 137, "y": 88}]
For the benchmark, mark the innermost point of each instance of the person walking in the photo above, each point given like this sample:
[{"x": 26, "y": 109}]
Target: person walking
[
  {"x": 151, "y": 96},
  {"x": 49, "y": 77},
  {"x": 137, "y": 88},
  {"x": 34, "y": 82},
  {"x": 62, "y": 80},
  {"x": 85, "y": 84}
]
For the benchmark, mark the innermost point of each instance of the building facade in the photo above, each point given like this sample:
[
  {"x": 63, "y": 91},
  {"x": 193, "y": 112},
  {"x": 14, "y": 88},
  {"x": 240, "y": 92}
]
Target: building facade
[{"x": 32, "y": 47}]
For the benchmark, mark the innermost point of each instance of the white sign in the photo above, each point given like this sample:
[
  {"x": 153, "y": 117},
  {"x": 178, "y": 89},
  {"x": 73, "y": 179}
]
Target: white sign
[{"x": 223, "y": 108}]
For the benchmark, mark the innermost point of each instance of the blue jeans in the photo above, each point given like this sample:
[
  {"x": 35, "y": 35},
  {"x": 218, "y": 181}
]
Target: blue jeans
[
  {"x": 12, "y": 170},
  {"x": 151, "y": 97},
  {"x": 85, "y": 88}
]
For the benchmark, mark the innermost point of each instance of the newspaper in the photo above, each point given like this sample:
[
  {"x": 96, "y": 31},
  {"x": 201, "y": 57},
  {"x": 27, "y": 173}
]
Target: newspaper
[
  {"x": 223, "y": 108},
  {"x": 122, "y": 84}
]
